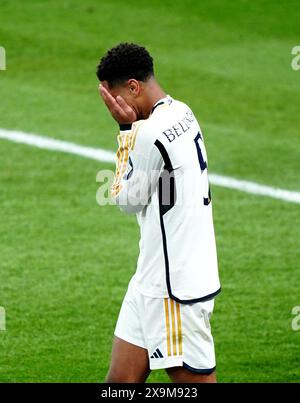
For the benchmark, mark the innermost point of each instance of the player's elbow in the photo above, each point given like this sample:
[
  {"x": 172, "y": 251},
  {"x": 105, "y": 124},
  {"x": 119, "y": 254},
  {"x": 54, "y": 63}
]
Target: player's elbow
[
  {"x": 130, "y": 208},
  {"x": 129, "y": 205}
]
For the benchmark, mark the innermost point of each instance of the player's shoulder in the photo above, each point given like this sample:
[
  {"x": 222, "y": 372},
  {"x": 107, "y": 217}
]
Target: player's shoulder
[
  {"x": 161, "y": 115},
  {"x": 165, "y": 113},
  {"x": 142, "y": 136},
  {"x": 145, "y": 132}
]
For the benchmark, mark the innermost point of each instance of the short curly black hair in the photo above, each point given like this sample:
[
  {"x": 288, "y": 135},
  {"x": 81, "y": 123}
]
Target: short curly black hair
[{"x": 125, "y": 61}]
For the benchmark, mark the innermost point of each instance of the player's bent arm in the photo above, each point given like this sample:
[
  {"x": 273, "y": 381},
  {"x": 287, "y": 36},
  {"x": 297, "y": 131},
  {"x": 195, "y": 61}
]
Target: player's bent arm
[{"x": 138, "y": 167}]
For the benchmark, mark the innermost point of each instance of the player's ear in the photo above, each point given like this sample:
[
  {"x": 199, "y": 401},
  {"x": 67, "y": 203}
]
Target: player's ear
[{"x": 134, "y": 87}]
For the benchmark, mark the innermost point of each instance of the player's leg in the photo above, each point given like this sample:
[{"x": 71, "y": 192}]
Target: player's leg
[
  {"x": 199, "y": 356},
  {"x": 129, "y": 363},
  {"x": 183, "y": 375},
  {"x": 179, "y": 339},
  {"x": 129, "y": 359}
]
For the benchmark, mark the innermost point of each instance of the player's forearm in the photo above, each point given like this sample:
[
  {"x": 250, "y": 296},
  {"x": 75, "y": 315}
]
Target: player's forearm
[
  {"x": 122, "y": 157},
  {"x": 130, "y": 189}
]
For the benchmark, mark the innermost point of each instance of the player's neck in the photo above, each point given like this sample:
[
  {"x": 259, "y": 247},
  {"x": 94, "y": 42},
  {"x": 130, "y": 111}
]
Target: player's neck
[{"x": 153, "y": 94}]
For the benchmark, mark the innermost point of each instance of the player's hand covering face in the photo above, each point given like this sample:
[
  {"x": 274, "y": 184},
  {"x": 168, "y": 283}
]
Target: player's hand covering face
[{"x": 119, "y": 109}]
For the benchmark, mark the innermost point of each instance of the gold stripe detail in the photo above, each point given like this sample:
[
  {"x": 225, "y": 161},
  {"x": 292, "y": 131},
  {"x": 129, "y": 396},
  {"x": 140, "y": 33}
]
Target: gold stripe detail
[
  {"x": 168, "y": 326},
  {"x": 173, "y": 328},
  {"x": 126, "y": 143},
  {"x": 116, "y": 189},
  {"x": 126, "y": 155},
  {"x": 122, "y": 159},
  {"x": 179, "y": 327}
]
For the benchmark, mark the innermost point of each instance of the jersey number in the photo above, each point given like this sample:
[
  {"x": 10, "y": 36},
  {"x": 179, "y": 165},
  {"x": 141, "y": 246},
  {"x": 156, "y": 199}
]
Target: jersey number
[{"x": 203, "y": 165}]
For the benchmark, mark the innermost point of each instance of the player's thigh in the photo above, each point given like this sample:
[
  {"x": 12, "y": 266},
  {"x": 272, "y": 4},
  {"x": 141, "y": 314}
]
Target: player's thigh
[
  {"x": 183, "y": 375},
  {"x": 129, "y": 363}
]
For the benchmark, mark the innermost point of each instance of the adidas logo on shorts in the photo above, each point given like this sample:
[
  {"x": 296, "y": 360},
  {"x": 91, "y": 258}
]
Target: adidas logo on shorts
[{"x": 157, "y": 354}]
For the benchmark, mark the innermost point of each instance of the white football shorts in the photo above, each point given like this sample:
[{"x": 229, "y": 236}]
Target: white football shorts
[{"x": 173, "y": 334}]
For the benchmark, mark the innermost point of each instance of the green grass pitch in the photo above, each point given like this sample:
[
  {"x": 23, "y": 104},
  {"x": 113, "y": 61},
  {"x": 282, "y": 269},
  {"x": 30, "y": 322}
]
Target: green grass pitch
[{"x": 65, "y": 262}]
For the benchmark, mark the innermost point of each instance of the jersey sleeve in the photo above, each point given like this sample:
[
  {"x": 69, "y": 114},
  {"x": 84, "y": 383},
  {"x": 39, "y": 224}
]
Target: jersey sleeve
[{"x": 138, "y": 166}]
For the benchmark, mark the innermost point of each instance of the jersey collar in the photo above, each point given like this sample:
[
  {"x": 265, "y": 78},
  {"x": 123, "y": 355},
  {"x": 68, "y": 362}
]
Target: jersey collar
[{"x": 167, "y": 101}]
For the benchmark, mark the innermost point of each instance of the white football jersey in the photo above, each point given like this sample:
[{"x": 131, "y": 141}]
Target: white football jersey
[{"x": 161, "y": 175}]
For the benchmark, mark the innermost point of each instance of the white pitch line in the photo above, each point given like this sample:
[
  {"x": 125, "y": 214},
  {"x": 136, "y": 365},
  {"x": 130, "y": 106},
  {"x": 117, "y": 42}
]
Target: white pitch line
[
  {"x": 48, "y": 143},
  {"x": 255, "y": 188},
  {"x": 108, "y": 156}
]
